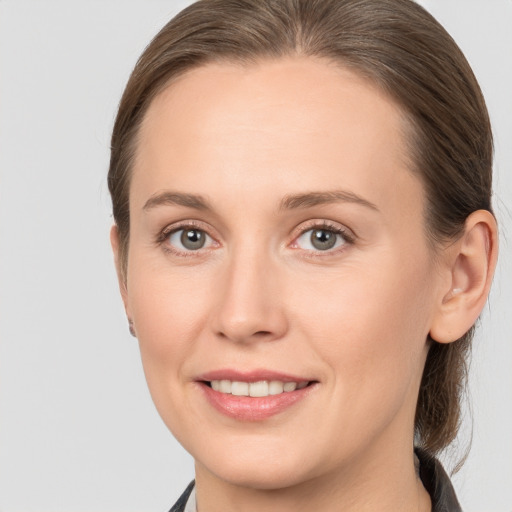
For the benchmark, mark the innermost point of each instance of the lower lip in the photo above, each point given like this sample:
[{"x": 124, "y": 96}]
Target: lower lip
[{"x": 246, "y": 408}]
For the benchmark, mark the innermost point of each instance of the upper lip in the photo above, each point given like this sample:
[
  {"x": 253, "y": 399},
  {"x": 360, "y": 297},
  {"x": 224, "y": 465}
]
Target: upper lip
[{"x": 250, "y": 376}]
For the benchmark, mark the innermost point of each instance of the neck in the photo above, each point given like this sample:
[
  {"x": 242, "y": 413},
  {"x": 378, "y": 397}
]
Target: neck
[{"x": 388, "y": 482}]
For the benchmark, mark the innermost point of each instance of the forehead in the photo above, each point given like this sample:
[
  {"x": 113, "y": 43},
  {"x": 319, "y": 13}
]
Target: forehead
[{"x": 305, "y": 121}]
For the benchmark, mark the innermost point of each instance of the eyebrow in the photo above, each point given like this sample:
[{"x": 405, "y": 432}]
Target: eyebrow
[
  {"x": 311, "y": 199},
  {"x": 290, "y": 202},
  {"x": 177, "y": 198}
]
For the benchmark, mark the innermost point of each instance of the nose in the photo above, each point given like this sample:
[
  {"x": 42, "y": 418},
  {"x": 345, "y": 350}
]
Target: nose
[{"x": 250, "y": 305}]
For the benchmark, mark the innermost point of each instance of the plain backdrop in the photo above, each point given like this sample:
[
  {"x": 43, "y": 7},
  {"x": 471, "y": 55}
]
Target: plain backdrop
[{"x": 78, "y": 431}]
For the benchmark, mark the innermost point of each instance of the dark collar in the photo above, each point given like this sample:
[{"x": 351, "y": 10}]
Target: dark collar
[
  {"x": 434, "y": 478},
  {"x": 437, "y": 483},
  {"x": 179, "y": 506}
]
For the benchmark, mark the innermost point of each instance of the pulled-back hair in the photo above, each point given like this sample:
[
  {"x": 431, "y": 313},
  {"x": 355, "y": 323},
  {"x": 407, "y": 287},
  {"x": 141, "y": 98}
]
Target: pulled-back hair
[{"x": 402, "y": 49}]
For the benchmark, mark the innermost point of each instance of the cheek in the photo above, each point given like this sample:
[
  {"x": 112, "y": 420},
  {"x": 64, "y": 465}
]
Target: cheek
[
  {"x": 370, "y": 303},
  {"x": 369, "y": 324},
  {"x": 169, "y": 311}
]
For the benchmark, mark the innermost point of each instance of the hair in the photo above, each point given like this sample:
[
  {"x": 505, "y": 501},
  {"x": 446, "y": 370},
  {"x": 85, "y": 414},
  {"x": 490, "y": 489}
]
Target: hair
[{"x": 403, "y": 50}]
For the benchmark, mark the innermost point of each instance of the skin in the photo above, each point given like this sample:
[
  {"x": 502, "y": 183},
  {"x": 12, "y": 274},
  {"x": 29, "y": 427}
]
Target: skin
[{"x": 258, "y": 295}]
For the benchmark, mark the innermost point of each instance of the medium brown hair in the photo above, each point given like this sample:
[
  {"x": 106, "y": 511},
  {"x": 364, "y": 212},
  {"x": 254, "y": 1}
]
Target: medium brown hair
[{"x": 402, "y": 49}]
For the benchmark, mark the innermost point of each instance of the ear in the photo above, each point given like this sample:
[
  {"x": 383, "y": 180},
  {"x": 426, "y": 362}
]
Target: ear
[
  {"x": 470, "y": 264},
  {"x": 121, "y": 278}
]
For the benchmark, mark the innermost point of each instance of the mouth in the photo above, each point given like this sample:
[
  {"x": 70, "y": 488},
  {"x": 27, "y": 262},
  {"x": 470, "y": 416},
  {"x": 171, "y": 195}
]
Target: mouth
[
  {"x": 256, "y": 396},
  {"x": 256, "y": 389}
]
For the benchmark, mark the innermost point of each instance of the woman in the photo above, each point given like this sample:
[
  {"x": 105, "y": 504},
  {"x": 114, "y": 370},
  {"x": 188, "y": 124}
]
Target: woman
[{"x": 304, "y": 240}]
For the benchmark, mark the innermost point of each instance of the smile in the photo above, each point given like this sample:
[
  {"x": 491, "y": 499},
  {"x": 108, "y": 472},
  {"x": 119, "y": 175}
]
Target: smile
[
  {"x": 253, "y": 396},
  {"x": 260, "y": 388}
]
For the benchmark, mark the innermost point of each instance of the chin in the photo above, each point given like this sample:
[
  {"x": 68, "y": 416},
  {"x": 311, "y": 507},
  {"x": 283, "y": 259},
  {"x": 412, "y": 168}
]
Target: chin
[
  {"x": 270, "y": 475},
  {"x": 255, "y": 464}
]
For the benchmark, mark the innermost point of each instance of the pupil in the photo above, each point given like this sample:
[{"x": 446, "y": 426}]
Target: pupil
[
  {"x": 323, "y": 239},
  {"x": 192, "y": 239}
]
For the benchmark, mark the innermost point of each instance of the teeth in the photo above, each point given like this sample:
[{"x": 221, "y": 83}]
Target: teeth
[
  {"x": 224, "y": 386},
  {"x": 275, "y": 387},
  {"x": 240, "y": 388},
  {"x": 256, "y": 389},
  {"x": 290, "y": 386}
]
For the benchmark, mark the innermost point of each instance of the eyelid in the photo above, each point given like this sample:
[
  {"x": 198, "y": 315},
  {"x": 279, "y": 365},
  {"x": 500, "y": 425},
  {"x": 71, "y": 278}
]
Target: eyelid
[
  {"x": 348, "y": 235},
  {"x": 164, "y": 234}
]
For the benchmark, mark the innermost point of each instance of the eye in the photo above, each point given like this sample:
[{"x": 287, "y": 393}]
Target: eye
[
  {"x": 322, "y": 238},
  {"x": 188, "y": 239}
]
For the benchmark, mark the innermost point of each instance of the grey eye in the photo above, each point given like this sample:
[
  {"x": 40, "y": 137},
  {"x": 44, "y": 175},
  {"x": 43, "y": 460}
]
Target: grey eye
[
  {"x": 189, "y": 239},
  {"x": 320, "y": 239},
  {"x": 192, "y": 239}
]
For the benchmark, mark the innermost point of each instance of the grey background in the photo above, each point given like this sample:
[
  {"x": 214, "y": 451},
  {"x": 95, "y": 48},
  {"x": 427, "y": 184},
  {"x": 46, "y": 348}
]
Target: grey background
[{"x": 78, "y": 431}]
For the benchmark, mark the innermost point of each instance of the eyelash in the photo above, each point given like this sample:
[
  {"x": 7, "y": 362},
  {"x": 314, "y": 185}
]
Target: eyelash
[
  {"x": 315, "y": 225},
  {"x": 169, "y": 230},
  {"x": 348, "y": 237}
]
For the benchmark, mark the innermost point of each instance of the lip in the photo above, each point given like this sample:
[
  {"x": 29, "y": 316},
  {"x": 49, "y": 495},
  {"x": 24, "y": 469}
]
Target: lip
[
  {"x": 245, "y": 408},
  {"x": 251, "y": 376}
]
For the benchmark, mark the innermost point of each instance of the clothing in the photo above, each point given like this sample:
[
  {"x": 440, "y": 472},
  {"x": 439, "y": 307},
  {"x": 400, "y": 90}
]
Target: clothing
[
  {"x": 438, "y": 485},
  {"x": 179, "y": 506},
  {"x": 432, "y": 474},
  {"x": 191, "y": 505}
]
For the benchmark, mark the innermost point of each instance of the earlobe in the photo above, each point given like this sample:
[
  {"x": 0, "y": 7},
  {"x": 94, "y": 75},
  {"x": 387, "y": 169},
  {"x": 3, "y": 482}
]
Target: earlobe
[{"x": 471, "y": 261}]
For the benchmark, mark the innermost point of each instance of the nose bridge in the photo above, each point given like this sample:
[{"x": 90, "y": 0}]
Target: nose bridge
[{"x": 249, "y": 305}]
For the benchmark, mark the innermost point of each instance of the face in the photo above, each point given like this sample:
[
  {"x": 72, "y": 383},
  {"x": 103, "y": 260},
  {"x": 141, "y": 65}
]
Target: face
[{"x": 277, "y": 249}]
